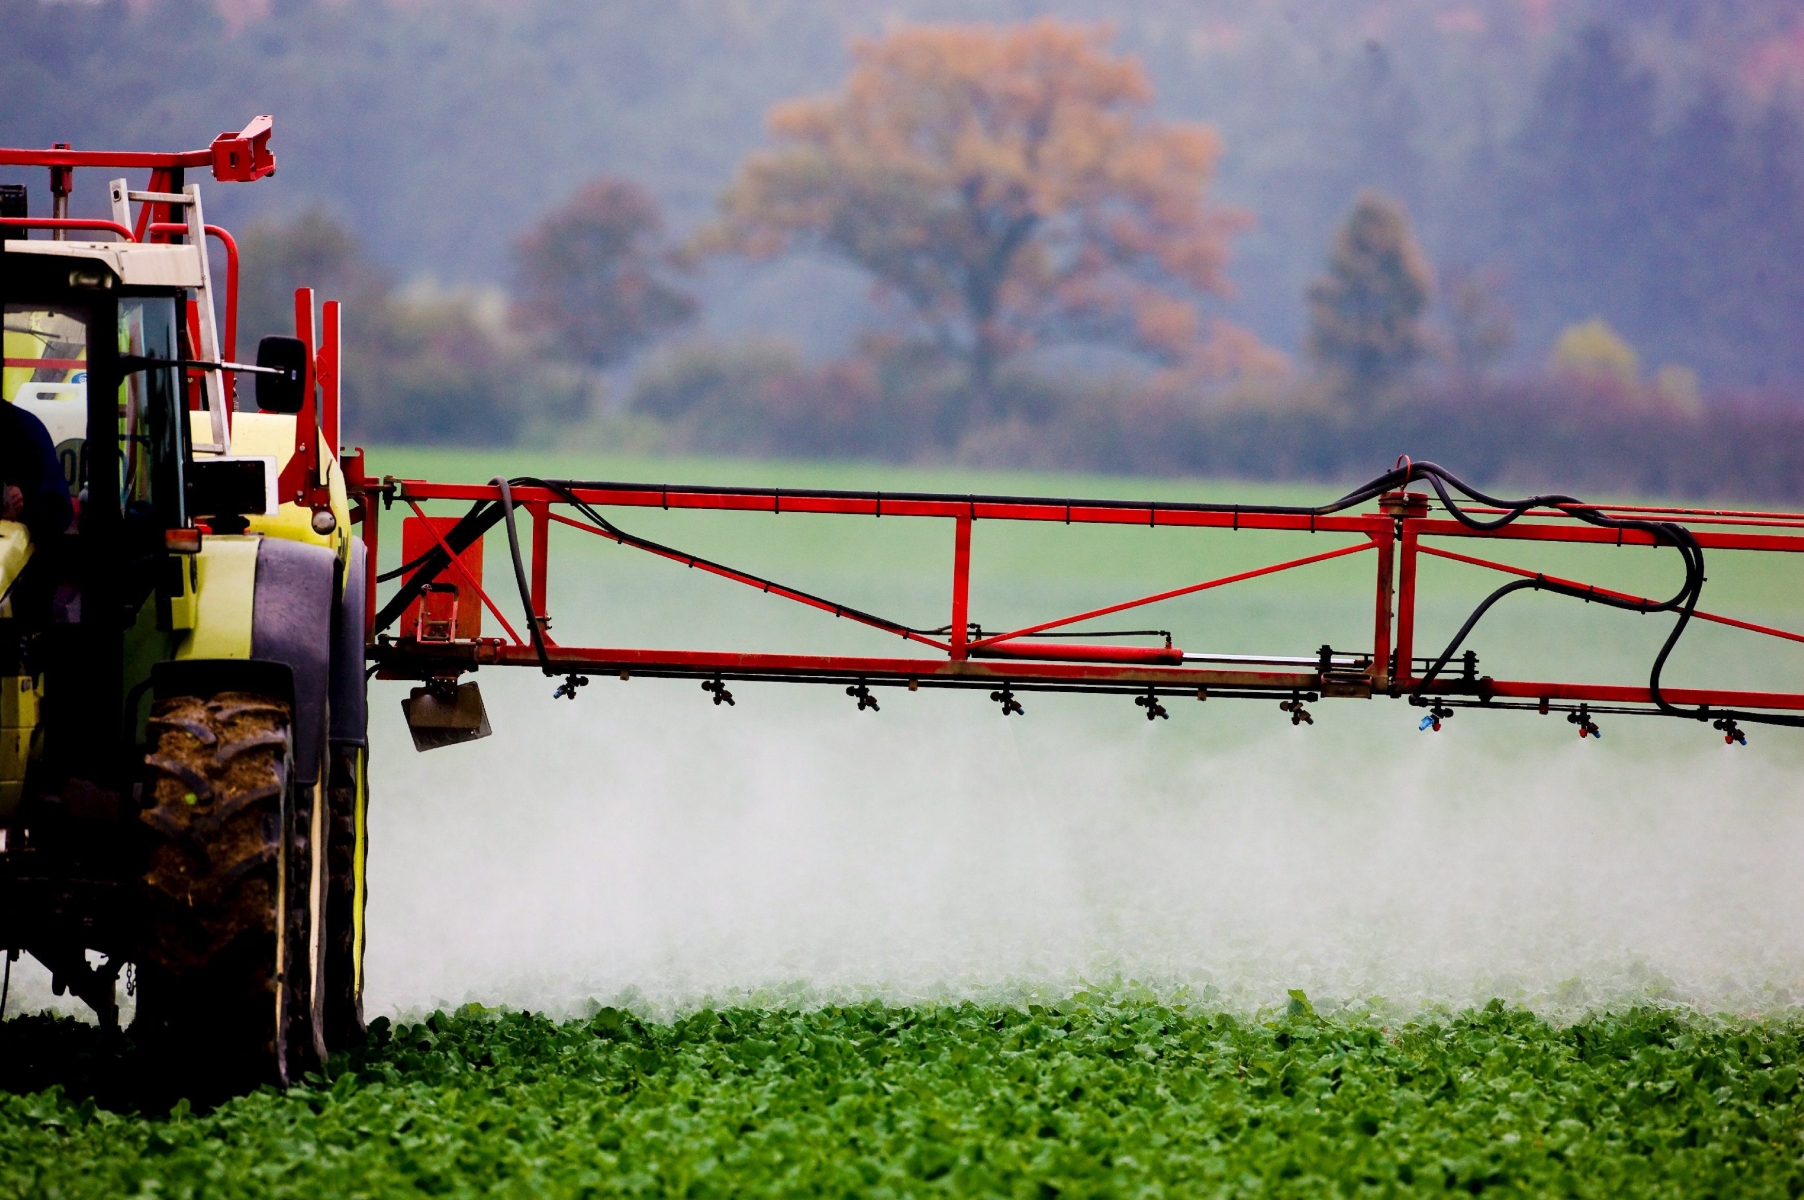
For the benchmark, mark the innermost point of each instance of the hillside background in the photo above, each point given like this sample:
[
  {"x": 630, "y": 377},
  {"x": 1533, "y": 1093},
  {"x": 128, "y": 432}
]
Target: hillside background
[{"x": 1640, "y": 162}]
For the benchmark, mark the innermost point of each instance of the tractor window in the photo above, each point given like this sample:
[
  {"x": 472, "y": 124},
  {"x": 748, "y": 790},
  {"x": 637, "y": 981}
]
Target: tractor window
[
  {"x": 45, "y": 372},
  {"x": 152, "y": 425}
]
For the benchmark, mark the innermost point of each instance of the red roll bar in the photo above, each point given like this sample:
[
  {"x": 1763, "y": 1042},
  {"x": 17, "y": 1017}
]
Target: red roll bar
[
  {"x": 125, "y": 235},
  {"x": 241, "y": 157}
]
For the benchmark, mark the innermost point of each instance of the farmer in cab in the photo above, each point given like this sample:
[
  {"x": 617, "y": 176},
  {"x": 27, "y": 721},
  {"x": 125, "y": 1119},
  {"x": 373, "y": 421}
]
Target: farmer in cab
[{"x": 33, "y": 492}]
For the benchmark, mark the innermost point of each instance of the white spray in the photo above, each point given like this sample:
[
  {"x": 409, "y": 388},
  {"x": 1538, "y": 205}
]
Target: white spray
[{"x": 644, "y": 845}]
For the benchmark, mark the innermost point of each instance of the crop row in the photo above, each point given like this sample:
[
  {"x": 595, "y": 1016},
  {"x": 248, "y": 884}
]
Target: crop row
[{"x": 1092, "y": 1097}]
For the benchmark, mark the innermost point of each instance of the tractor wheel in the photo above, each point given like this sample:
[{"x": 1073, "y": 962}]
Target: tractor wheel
[
  {"x": 347, "y": 803},
  {"x": 230, "y": 961}
]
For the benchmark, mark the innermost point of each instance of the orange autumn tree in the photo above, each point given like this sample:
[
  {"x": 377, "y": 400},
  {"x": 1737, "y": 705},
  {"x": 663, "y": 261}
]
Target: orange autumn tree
[{"x": 1008, "y": 184}]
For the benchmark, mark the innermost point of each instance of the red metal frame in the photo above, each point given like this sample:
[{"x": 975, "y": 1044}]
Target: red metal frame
[
  {"x": 327, "y": 371},
  {"x": 235, "y": 157},
  {"x": 241, "y": 157},
  {"x": 303, "y": 480},
  {"x": 229, "y": 336},
  {"x": 1173, "y": 594},
  {"x": 1396, "y": 528},
  {"x": 463, "y": 572},
  {"x": 94, "y": 223}
]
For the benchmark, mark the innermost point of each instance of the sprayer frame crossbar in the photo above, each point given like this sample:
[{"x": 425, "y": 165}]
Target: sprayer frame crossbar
[{"x": 962, "y": 656}]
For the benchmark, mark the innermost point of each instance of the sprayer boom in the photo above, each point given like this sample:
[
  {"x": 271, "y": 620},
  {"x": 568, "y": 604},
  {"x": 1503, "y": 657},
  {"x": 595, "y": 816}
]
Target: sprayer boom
[{"x": 429, "y": 629}]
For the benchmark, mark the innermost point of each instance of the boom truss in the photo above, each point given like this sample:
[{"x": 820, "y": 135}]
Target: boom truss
[{"x": 1395, "y": 525}]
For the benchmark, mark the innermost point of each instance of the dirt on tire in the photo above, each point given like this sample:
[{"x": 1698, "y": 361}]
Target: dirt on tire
[
  {"x": 211, "y": 969},
  {"x": 345, "y": 798}
]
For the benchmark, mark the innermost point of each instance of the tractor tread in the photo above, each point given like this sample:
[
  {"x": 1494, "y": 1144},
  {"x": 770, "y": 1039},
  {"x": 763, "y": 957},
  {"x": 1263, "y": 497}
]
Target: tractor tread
[{"x": 213, "y": 802}]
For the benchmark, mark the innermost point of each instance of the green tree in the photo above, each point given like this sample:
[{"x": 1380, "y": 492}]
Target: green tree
[{"x": 1365, "y": 314}]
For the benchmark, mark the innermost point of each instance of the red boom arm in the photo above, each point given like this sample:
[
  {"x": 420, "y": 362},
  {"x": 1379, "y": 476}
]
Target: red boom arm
[{"x": 955, "y": 656}]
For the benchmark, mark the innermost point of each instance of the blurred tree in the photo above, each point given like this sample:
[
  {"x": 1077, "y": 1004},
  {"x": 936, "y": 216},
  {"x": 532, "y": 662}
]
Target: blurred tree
[
  {"x": 1677, "y": 387},
  {"x": 589, "y": 278},
  {"x": 1482, "y": 325},
  {"x": 760, "y": 398},
  {"x": 1592, "y": 350},
  {"x": 314, "y": 251},
  {"x": 709, "y": 378},
  {"x": 420, "y": 366},
  {"x": 1768, "y": 335},
  {"x": 1007, "y": 184},
  {"x": 1365, "y": 315},
  {"x": 1234, "y": 354},
  {"x": 435, "y": 369},
  {"x": 1379, "y": 120},
  {"x": 1581, "y": 203},
  {"x": 1558, "y": 154}
]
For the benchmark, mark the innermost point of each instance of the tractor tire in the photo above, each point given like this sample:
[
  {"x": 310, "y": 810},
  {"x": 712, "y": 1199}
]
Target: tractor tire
[
  {"x": 347, "y": 804},
  {"x": 229, "y": 965}
]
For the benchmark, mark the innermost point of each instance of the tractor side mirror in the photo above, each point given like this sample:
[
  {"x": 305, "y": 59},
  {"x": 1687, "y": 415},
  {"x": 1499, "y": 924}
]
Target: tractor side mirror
[{"x": 281, "y": 393}]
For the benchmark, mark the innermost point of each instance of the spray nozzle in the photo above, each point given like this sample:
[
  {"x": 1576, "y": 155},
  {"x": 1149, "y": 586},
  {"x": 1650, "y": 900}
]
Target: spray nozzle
[
  {"x": 863, "y": 696},
  {"x": 721, "y": 695},
  {"x": 1586, "y": 726},
  {"x": 1436, "y": 714},
  {"x": 1732, "y": 734},
  {"x": 1006, "y": 698},
  {"x": 1150, "y": 702},
  {"x": 567, "y": 689},
  {"x": 1298, "y": 714}
]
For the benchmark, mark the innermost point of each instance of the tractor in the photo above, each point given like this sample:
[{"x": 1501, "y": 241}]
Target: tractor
[
  {"x": 185, "y": 649},
  {"x": 182, "y": 770}
]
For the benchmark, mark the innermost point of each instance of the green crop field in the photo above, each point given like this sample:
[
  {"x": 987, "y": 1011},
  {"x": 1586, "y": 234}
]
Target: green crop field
[
  {"x": 853, "y": 946},
  {"x": 1097, "y": 1096}
]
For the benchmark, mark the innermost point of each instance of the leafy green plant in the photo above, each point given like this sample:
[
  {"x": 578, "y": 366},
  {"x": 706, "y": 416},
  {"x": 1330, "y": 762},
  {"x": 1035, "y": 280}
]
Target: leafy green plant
[{"x": 1095, "y": 1096}]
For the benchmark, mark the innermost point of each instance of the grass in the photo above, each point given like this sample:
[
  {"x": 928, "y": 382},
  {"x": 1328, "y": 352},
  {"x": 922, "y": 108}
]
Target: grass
[{"x": 1102, "y": 1095}]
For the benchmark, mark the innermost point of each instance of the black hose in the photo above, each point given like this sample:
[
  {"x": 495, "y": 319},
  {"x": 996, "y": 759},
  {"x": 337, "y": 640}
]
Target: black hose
[
  {"x": 534, "y": 623},
  {"x": 1683, "y": 603},
  {"x": 428, "y": 567}
]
